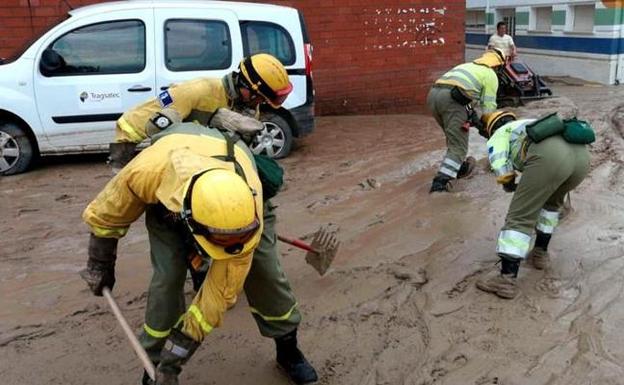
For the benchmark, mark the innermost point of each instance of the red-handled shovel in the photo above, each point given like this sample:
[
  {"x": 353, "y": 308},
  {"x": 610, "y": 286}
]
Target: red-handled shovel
[{"x": 321, "y": 252}]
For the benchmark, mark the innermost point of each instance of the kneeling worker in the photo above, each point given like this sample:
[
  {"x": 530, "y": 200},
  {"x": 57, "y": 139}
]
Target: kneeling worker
[{"x": 200, "y": 192}]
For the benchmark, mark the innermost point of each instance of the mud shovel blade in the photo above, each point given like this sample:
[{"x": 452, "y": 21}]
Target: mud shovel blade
[{"x": 325, "y": 246}]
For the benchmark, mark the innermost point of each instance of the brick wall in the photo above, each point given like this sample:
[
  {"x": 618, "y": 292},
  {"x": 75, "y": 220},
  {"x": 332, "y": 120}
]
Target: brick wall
[{"x": 369, "y": 57}]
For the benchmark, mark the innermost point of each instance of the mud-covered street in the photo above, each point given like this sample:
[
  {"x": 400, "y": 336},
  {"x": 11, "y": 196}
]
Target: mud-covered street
[{"x": 399, "y": 305}]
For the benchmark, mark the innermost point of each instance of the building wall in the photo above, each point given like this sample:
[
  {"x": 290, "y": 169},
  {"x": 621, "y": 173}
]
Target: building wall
[
  {"x": 369, "y": 57},
  {"x": 574, "y": 38}
]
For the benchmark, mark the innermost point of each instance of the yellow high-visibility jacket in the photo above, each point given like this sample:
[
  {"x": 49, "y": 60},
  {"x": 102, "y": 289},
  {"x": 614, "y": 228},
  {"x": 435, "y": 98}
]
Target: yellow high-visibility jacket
[
  {"x": 478, "y": 81},
  {"x": 195, "y": 99},
  {"x": 506, "y": 149},
  {"x": 159, "y": 174}
]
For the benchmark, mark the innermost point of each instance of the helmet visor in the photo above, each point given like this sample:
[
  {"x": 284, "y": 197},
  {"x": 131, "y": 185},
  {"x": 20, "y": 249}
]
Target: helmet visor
[
  {"x": 226, "y": 238},
  {"x": 281, "y": 95}
]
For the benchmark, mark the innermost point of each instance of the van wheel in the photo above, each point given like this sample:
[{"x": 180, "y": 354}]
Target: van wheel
[
  {"x": 275, "y": 139},
  {"x": 16, "y": 150}
]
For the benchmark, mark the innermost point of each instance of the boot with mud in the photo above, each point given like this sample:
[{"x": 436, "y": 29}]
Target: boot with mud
[
  {"x": 177, "y": 351},
  {"x": 292, "y": 361},
  {"x": 467, "y": 167},
  {"x": 503, "y": 283},
  {"x": 441, "y": 183},
  {"x": 539, "y": 255}
]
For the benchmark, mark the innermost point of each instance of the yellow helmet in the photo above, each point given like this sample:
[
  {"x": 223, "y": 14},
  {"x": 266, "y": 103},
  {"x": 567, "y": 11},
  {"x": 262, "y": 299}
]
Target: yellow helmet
[
  {"x": 491, "y": 120},
  {"x": 220, "y": 211},
  {"x": 264, "y": 75},
  {"x": 493, "y": 57}
]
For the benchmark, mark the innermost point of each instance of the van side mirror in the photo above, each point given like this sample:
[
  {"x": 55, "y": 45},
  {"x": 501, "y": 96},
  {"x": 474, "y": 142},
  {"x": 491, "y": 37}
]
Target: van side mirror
[{"x": 51, "y": 62}]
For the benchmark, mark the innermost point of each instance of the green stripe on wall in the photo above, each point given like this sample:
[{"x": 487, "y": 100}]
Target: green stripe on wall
[
  {"x": 522, "y": 18},
  {"x": 489, "y": 18},
  {"x": 608, "y": 16},
  {"x": 558, "y": 17}
]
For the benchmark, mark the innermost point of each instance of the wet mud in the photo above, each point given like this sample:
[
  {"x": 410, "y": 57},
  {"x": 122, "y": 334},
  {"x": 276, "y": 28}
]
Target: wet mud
[{"x": 399, "y": 304}]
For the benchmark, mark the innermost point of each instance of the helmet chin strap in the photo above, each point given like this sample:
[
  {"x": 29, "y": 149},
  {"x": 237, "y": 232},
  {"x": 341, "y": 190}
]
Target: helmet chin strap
[{"x": 230, "y": 82}]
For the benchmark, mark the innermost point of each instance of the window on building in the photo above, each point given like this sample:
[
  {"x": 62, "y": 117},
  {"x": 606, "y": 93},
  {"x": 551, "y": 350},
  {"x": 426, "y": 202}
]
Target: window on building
[
  {"x": 94, "y": 50},
  {"x": 542, "y": 19},
  {"x": 583, "y": 18},
  {"x": 263, "y": 37},
  {"x": 475, "y": 19},
  {"x": 197, "y": 45}
]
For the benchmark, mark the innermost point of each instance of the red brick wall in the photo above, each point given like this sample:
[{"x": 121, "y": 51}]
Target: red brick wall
[{"x": 369, "y": 57}]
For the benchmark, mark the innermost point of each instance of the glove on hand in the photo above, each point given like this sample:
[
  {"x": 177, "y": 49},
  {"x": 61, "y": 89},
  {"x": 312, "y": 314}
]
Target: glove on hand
[
  {"x": 100, "y": 271},
  {"x": 233, "y": 121},
  {"x": 510, "y": 186}
]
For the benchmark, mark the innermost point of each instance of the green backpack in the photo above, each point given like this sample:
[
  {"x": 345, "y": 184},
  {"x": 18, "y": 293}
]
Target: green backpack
[
  {"x": 578, "y": 131},
  {"x": 271, "y": 175}
]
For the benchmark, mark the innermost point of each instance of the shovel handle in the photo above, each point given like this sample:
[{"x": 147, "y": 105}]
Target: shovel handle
[
  {"x": 138, "y": 349},
  {"x": 296, "y": 243}
]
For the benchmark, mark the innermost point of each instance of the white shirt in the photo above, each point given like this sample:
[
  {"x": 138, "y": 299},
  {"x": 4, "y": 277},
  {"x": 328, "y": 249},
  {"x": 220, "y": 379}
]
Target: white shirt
[{"x": 504, "y": 43}]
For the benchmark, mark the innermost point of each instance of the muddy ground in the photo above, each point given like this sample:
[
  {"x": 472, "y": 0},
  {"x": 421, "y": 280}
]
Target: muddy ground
[{"x": 399, "y": 305}]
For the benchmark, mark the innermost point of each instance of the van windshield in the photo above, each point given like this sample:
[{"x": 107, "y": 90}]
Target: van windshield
[{"x": 21, "y": 49}]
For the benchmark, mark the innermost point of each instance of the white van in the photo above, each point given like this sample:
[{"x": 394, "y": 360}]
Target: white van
[{"x": 118, "y": 54}]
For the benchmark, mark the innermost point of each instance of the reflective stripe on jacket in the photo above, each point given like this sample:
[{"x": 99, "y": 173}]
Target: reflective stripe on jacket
[
  {"x": 479, "y": 82},
  {"x": 203, "y": 95},
  {"x": 505, "y": 149}
]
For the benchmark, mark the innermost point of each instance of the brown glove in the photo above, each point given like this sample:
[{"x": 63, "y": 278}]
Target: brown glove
[
  {"x": 225, "y": 119},
  {"x": 120, "y": 155},
  {"x": 100, "y": 271}
]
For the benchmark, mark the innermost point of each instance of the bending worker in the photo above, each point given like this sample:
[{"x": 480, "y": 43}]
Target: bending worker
[
  {"x": 200, "y": 192},
  {"x": 449, "y": 101},
  {"x": 260, "y": 78},
  {"x": 551, "y": 166}
]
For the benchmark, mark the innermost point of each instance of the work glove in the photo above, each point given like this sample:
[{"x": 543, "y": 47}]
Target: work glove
[
  {"x": 225, "y": 119},
  {"x": 120, "y": 155},
  {"x": 510, "y": 186},
  {"x": 100, "y": 271}
]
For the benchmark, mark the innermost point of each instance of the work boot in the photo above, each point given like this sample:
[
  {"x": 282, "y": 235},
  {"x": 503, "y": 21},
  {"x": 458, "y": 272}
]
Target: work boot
[
  {"x": 503, "y": 285},
  {"x": 292, "y": 361},
  {"x": 467, "y": 167},
  {"x": 176, "y": 352},
  {"x": 441, "y": 183},
  {"x": 540, "y": 258}
]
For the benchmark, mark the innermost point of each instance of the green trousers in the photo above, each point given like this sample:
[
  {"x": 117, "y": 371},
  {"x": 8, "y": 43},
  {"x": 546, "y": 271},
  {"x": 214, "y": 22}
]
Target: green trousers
[
  {"x": 268, "y": 292},
  {"x": 553, "y": 167},
  {"x": 451, "y": 116}
]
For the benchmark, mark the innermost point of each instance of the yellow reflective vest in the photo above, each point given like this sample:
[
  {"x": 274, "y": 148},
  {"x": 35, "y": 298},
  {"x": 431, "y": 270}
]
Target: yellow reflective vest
[
  {"x": 506, "y": 149},
  {"x": 195, "y": 99},
  {"x": 478, "y": 81},
  {"x": 159, "y": 174}
]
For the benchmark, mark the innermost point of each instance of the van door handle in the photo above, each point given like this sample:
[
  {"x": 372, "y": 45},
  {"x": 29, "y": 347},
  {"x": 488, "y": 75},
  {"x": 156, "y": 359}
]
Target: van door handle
[
  {"x": 164, "y": 88},
  {"x": 139, "y": 88}
]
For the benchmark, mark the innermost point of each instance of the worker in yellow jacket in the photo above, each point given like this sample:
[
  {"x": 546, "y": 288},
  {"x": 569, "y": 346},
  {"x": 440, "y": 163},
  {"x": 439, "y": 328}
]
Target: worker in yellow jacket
[
  {"x": 551, "y": 165},
  {"x": 260, "y": 78},
  {"x": 201, "y": 193},
  {"x": 450, "y": 100}
]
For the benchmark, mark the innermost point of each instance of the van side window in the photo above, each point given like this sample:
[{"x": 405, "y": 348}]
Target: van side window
[
  {"x": 271, "y": 38},
  {"x": 116, "y": 47},
  {"x": 197, "y": 45}
]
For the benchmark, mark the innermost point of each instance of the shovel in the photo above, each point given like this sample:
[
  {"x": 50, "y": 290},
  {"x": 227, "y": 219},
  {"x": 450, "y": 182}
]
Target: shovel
[
  {"x": 138, "y": 349},
  {"x": 321, "y": 252}
]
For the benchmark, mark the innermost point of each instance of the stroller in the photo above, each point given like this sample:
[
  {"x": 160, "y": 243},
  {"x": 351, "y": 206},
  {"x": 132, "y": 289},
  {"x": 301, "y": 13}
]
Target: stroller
[{"x": 518, "y": 83}]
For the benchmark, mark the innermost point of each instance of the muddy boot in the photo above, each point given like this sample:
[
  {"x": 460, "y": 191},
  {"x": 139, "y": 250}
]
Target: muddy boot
[
  {"x": 540, "y": 258},
  {"x": 292, "y": 361},
  {"x": 502, "y": 283},
  {"x": 176, "y": 352},
  {"x": 539, "y": 255},
  {"x": 467, "y": 167},
  {"x": 441, "y": 183}
]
